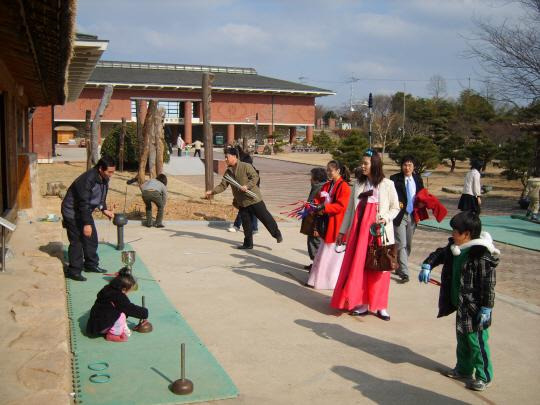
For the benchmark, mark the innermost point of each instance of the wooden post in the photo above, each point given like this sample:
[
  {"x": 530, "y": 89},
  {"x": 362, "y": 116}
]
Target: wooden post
[
  {"x": 87, "y": 133},
  {"x": 147, "y": 129},
  {"x": 121, "y": 147},
  {"x": 107, "y": 93},
  {"x": 139, "y": 128},
  {"x": 207, "y": 80}
]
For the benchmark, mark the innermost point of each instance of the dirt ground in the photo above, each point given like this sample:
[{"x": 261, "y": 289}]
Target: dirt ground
[
  {"x": 184, "y": 201},
  {"x": 440, "y": 177}
]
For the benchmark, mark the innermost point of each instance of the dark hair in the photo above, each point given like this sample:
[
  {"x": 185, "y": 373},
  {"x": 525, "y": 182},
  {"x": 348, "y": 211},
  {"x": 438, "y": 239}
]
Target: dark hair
[
  {"x": 467, "y": 221},
  {"x": 408, "y": 158},
  {"x": 476, "y": 164},
  {"x": 161, "y": 177},
  {"x": 342, "y": 169},
  {"x": 123, "y": 281},
  {"x": 105, "y": 162},
  {"x": 376, "y": 170},
  {"x": 318, "y": 174},
  {"x": 231, "y": 150}
]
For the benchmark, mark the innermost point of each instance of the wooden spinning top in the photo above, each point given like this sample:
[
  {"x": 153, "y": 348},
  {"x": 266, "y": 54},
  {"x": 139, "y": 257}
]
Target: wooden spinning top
[{"x": 183, "y": 386}]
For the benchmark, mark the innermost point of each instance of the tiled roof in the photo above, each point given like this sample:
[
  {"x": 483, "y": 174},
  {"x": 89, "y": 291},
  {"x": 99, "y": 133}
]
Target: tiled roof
[{"x": 235, "y": 79}]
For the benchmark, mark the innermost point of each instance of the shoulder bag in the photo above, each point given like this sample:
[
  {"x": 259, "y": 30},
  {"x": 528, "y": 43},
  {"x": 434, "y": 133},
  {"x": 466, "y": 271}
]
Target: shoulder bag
[{"x": 381, "y": 256}]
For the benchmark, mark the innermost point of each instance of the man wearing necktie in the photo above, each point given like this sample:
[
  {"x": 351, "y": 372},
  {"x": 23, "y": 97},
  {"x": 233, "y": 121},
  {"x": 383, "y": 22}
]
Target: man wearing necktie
[{"x": 407, "y": 184}]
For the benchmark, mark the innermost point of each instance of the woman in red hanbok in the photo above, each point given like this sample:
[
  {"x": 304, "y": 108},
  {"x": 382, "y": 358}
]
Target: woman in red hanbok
[
  {"x": 373, "y": 200},
  {"x": 332, "y": 200}
]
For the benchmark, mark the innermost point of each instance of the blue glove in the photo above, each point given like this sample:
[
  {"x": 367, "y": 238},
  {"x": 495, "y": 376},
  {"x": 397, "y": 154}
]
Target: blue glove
[
  {"x": 484, "y": 315},
  {"x": 423, "y": 277}
]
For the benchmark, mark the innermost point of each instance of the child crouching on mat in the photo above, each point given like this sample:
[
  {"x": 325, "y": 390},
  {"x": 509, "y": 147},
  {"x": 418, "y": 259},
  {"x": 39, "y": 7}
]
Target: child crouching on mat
[
  {"x": 468, "y": 287},
  {"x": 109, "y": 314}
]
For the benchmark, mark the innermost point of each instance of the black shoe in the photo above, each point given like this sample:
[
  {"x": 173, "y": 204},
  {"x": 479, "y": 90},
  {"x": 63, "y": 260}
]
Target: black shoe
[
  {"x": 159, "y": 226},
  {"x": 242, "y": 247},
  {"x": 404, "y": 278},
  {"x": 383, "y": 317},
  {"x": 76, "y": 276},
  {"x": 95, "y": 270},
  {"x": 131, "y": 181},
  {"x": 279, "y": 239},
  {"x": 147, "y": 225}
]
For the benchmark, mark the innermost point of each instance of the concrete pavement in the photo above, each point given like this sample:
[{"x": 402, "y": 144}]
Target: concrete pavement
[{"x": 282, "y": 343}]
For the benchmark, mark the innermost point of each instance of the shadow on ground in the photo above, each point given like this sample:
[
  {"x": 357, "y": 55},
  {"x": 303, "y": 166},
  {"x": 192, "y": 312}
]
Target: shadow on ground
[{"x": 389, "y": 392}]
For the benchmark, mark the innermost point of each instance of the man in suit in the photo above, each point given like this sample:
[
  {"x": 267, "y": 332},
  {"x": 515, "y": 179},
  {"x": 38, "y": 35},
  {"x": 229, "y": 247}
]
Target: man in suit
[{"x": 407, "y": 184}]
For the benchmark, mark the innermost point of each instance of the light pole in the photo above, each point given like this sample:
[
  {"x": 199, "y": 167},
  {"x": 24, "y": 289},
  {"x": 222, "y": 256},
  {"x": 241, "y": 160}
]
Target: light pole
[{"x": 370, "y": 106}]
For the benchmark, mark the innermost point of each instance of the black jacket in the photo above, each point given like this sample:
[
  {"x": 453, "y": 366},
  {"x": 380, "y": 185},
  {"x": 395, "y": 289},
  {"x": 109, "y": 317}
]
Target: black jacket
[
  {"x": 477, "y": 285},
  {"x": 86, "y": 193},
  {"x": 110, "y": 303},
  {"x": 399, "y": 183}
]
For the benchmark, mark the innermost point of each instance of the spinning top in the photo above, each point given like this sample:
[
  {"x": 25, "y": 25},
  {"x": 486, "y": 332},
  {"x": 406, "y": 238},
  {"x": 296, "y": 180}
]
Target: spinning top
[
  {"x": 144, "y": 326},
  {"x": 183, "y": 386}
]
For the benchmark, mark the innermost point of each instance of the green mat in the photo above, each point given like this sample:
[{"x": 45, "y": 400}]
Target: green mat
[
  {"x": 142, "y": 369},
  {"x": 505, "y": 229}
]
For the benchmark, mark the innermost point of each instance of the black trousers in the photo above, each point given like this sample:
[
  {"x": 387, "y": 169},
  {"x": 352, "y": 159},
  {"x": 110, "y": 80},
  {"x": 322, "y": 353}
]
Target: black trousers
[
  {"x": 261, "y": 212},
  {"x": 82, "y": 251},
  {"x": 197, "y": 152},
  {"x": 313, "y": 244}
]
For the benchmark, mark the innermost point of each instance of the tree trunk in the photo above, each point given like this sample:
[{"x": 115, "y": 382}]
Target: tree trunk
[
  {"x": 87, "y": 137},
  {"x": 207, "y": 80},
  {"x": 121, "y": 146},
  {"x": 107, "y": 93},
  {"x": 160, "y": 145},
  {"x": 453, "y": 161},
  {"x": 139, "y": 128},
  {"x": 152, "y": 146},
  {"x": 147, "y": 130}
]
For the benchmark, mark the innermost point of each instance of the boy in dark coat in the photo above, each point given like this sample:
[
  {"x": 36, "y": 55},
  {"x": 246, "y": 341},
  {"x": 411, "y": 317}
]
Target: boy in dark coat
[
  {"x": 468, "y": 287},
  {"x": 111, "y": 309}
]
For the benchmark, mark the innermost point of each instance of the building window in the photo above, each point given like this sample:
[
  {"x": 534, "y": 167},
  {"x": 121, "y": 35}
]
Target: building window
[
  {"x": 172, "y": 109},
  {"x": 133, "y": 109}
]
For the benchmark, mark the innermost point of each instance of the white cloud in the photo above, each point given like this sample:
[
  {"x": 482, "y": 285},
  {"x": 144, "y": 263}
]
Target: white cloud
[{"x": 243, "y": 34}]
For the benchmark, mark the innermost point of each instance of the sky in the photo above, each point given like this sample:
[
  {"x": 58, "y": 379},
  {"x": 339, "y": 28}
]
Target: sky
[{"x": 380, "y": 46}]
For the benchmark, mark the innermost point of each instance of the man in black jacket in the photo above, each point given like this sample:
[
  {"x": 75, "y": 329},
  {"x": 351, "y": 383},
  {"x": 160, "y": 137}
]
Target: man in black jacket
[
  {"x": 407, "y": 184},
  {"x": 86, "y": 193}
]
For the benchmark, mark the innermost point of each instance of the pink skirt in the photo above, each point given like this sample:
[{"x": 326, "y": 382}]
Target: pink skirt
[
  {"x": 356, "y": 285},
  {"x": 326, "y": 265}
]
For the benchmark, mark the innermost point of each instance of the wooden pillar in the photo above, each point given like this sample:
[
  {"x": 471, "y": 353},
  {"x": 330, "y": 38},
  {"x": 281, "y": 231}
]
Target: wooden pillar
[
  {"x": 292, "y": 134},
  {"x": 309, "y": 134},
  {"x": 121, "y": 147},
  {"x": 230, "y": 134},
  {"x": 207, "y": 80},
  {"x": 188, "y": 113}
]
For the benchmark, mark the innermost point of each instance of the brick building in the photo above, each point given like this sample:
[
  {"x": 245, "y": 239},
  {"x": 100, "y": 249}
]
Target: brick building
[{"x": 243, "y": 102}]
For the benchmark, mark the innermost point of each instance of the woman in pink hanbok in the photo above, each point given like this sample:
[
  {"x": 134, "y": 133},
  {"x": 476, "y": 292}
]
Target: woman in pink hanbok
[{"x": 373, "y": 200}]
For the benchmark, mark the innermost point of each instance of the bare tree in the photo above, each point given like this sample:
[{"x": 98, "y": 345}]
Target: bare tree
[
  {"x": 437, "y": 86},
  {"x": 96, "y": 123},
  {"x": 160, "y": 140},
  {"x": 510, "y": 54},
  {"x": 147, "y": 133},
  {"x": 384, "y": 121}
]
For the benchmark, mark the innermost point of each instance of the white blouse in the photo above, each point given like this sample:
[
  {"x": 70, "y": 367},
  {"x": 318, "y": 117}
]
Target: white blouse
[{"x": 472, "y": 183}]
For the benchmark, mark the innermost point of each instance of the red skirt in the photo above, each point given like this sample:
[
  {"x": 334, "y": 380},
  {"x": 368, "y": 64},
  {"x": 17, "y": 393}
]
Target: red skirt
[{"x": 356, "y": 285}]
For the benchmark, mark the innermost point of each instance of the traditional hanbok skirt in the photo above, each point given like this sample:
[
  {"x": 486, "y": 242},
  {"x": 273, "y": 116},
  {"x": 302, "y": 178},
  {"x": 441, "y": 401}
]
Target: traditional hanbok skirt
[
  {"x": 356, "y": 285},
  {"x": 326, "y": 265}
]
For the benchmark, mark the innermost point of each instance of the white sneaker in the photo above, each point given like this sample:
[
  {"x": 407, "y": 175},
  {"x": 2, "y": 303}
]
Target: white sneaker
[{"x": 233, "y": 228}]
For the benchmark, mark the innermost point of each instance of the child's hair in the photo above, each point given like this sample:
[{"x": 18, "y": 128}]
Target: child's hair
[
  {"x": 467, "y": 221},
  {"x": 231, "y": 150},
  {"x": 123, "y": 281},
  {"x": 476, "y": 164},
  {"x": 318, "y": 174},
  {"x": 161, "y": 177},
  {"x": 342, "y": 169}
]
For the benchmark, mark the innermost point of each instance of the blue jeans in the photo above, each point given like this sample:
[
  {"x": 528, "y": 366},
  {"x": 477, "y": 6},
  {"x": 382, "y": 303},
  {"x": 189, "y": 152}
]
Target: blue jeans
[{"x": 254, "y": 222}]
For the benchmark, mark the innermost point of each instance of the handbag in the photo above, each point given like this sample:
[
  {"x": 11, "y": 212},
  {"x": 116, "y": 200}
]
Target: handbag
[
  {"x": 308, "y": 225},
  {"x": 381, "y": 256}
]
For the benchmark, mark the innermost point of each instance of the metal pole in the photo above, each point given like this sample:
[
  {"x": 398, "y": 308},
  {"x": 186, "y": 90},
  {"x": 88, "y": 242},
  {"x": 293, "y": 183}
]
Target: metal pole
[
  {"x": 370, "y": 105},
  {"x": 403, "y": 125},
  {"x": 183, "y": 360}
]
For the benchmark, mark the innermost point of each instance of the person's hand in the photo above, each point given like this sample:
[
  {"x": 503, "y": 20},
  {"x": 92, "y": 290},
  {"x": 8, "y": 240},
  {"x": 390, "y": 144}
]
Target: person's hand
[
  {"x": 316, "y": 234},
  {"x": 208, "y": 195},
  {"x": 381, "y": 221},
  {"x": 484, "y": 315},
  {"x": 479, "y": 200},
  {"x": 424, "y": 275},
  {"x": 339, "y": 239},
  {"x": 244, "y": 188},
  {"x": 109, "y": 214},
  {"x": 87, "y": 230}
]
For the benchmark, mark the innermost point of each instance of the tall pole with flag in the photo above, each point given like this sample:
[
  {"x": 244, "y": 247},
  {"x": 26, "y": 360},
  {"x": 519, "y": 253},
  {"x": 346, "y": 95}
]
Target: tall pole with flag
[{"x": 370, "y": 106}]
